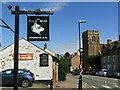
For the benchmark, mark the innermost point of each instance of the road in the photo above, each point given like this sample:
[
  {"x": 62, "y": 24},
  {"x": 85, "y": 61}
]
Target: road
[
  {"x": 99, "y": 82},
  {"x": 71, "y": 83},
  {"x": 90, "y": 82}
]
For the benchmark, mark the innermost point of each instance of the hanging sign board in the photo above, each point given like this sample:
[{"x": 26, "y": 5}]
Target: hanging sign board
[{"x": 38, "y": 28}]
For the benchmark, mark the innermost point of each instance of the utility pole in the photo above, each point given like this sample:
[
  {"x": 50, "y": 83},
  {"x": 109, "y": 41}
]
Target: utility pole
[
  {"x": 17, "y": 12},
  {"x": 16, "y": 48}
]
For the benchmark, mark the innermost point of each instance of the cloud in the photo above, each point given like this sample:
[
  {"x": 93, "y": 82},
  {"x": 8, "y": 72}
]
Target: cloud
[
  {"x": 55, "y": 6},
  {"x": 70, "y": 47},
  {"x": 4, "y": 2},
  {"x": 25, "y": 9}
]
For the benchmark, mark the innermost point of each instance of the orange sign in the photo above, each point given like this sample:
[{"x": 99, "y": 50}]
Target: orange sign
[{"x": 25, "y": 57}]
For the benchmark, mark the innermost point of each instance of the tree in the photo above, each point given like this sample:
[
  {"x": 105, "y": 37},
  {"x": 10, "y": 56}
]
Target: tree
[
  {"x": 94, "y": 61},
  {"x": 63, "y": 67}
]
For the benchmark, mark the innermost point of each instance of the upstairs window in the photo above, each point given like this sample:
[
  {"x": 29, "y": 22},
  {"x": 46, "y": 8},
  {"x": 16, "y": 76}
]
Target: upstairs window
[{"x": 93, "y": 39}]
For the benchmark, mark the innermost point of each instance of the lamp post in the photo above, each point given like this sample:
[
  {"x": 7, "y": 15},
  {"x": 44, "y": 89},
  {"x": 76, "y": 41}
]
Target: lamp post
[{"x": 80, "y": 51}]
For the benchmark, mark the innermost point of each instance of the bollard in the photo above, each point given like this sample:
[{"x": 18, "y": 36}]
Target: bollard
[
  {"x": 51, "y": 84},
  {"x": 80, "y": 83}
]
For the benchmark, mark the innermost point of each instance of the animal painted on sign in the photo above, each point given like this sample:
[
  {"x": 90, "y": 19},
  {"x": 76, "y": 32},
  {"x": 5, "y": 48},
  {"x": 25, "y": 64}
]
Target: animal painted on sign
[{"x": 36, "y": 28}]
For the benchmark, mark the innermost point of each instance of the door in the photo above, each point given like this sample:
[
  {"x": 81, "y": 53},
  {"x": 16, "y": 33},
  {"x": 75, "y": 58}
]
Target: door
[{"x": 7, "y": 77}]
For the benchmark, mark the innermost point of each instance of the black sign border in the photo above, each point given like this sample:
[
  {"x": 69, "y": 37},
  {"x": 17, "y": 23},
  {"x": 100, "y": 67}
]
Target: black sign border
[{"x": 28, "y": 29}]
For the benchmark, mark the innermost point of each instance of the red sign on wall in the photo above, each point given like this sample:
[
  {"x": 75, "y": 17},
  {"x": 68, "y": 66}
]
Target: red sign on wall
[{"x": 25, "y": 57}]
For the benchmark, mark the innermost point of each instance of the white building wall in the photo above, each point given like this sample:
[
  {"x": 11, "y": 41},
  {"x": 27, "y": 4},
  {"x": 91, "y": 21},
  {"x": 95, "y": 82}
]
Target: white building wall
[{"x": 41, "y": 73}]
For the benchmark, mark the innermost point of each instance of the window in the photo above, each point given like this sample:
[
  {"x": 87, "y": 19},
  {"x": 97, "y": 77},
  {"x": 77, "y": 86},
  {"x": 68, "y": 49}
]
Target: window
[
  {"x": 114, "y": 58},
  {"x": 43, "y": 59},
  {"x": 108, "y": 59},
  {"x": 104, "y": 60},
  {"x": 20, "y": 72},
  {"x": 114, "y": 67},
  {"x": 7, "y": 72},
  {"x": 93, "y": 39},
  {"x": 109, "y": 67}
]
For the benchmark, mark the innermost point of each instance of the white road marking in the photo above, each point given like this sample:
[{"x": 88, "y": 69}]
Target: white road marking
[
  {"x": 115, "y": 83},
  {"x": 85, "y": 84},
  {"x": 105, "y": 81},
  {"x": 94, "y": 87},
  {"x": 116, "y": 86},
  {"x": 105, "y": 86},
  {"x": 98, "y": 80},
  {"x": 115, "y": 79}
]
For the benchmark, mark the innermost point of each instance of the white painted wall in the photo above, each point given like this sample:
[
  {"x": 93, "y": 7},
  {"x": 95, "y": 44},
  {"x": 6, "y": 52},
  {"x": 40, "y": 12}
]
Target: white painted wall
[{"x": 41, "y": 73}]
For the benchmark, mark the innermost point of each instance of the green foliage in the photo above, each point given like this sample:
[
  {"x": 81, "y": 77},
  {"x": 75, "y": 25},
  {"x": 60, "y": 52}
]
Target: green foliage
[
  {"x": 67, "y": 54},
  {"x": 94, "y": 61},
  {"x": 63, "y": 67}
]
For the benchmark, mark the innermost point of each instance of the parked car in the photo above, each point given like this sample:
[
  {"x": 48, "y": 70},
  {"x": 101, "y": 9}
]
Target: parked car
[
  {"x": 94, "y": 72},
  {"x": 25, "y": 77},
  {"x": 86, "y": 72},
  {"x": 110, "y": 73},
  {"x": 76, "y": 72},
  {"x": 103, "y": 72},
  {"x": 97, "y": 73},
  {"x": 116, "y": 74}
]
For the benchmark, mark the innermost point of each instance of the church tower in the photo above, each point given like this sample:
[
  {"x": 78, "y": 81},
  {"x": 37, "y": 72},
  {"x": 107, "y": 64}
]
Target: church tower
[{"x": 91, "y": 43}]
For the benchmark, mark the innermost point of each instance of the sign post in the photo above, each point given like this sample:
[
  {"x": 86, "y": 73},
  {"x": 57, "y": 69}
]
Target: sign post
[
  {"x": 17, "y": 12},
  {"x": 16, "y": 48}
]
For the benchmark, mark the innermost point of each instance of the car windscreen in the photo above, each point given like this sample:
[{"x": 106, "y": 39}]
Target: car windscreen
[{"x": 77, "y": 70}]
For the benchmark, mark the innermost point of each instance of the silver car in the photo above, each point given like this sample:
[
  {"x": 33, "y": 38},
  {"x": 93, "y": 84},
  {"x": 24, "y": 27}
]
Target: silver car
[{"x": 103, "y": 72}]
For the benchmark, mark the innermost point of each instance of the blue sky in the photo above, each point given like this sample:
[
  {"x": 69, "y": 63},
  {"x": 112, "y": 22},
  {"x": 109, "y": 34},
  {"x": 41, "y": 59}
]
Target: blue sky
[{"x": 102, "y": 16}]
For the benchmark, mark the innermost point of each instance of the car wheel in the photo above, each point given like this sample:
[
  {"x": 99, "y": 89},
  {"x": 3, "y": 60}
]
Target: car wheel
[{"x": 25, "y": 83}]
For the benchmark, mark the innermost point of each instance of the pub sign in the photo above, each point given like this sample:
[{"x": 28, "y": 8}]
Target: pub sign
[
  {"x": 38, "y": 28},
  {"x": 44, "y": 59}
]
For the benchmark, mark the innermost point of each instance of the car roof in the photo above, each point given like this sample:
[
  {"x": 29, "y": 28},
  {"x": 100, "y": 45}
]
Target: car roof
[
  {"x": 76, "y": 69},
  {"x": 18, "y": 69}
]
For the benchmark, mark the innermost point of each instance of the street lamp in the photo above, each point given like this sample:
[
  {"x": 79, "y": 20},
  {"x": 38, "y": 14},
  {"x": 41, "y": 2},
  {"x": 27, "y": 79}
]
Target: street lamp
[
  {"x": 81, "y": 21},
  {"x": 80, "y": 51}
]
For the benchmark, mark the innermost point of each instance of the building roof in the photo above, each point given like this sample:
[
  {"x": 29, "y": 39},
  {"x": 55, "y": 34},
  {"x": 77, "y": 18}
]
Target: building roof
[
  {"x": 20, "y": 40},
  {"x": 90, "y": 31},
  {"x": 111, "y": 49},
  {"x": 33, "y": 45}
]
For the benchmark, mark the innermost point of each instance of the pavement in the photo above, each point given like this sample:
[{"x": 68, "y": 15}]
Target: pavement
[
  {"x": 35, "y": 86},
  {"x": 70, "y": 82}
]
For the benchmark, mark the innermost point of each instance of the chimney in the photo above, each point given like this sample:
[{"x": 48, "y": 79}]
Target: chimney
[
  {"x": 45, "y": 46},
  {"x": 109, "y": 41}
]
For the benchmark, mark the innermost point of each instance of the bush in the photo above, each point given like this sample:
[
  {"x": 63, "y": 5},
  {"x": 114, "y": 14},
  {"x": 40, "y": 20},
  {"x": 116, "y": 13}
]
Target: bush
[
  {"x": 62, "y": 75},
  {"x": 63, "y": 68}
]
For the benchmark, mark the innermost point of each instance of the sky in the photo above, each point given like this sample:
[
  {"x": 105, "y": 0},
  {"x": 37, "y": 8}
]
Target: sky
[{"x": 102, "y": 16}]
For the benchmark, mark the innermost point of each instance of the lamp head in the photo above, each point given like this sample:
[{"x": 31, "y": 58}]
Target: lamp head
[{"x": 82, "y": 21}]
